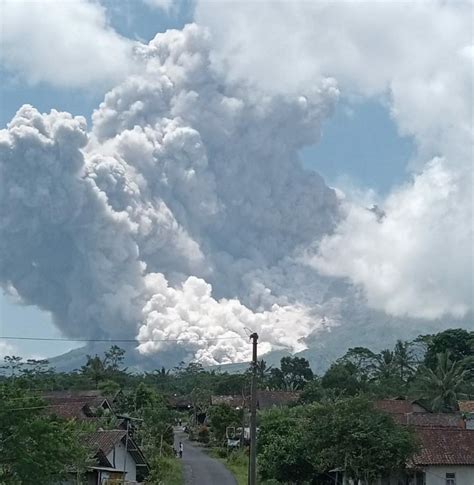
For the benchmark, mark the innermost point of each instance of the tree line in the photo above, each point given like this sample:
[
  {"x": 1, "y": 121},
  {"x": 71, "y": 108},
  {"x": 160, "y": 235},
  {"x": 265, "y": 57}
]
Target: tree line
[{"x": 299, "y": 441}]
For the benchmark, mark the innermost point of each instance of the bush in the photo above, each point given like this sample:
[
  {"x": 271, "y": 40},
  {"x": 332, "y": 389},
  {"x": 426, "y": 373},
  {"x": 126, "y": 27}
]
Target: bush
[
  {"x": 221, "y": 452},
  {"x": 203, "y": 434},
  {"x": 165, "y": 471}
]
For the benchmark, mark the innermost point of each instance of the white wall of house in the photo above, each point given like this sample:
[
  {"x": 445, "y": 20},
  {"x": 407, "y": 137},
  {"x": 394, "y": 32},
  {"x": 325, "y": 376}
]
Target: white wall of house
[
  {"x": 117, "y": 458},
  {"x": 436, "y": 475}
]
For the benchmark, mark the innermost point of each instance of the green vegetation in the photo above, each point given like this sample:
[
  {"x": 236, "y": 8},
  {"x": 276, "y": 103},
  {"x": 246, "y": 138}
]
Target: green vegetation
[
  {"x": 236, "y": 461},
  {"x": 166, "y": 471},
  {"x": 304, "y": 442},
  {"x": 34, "y": 446},
  {"x": 333, "y": 425}
]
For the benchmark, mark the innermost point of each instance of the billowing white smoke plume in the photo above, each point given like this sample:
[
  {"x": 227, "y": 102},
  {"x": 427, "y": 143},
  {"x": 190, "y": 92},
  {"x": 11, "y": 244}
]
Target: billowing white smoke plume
[
  {"x": 418, "y": 259},
  {"x": 184, "y": 182}
]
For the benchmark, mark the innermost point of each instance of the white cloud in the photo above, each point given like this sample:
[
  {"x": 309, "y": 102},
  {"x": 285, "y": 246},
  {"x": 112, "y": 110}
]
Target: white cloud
[
  {"x": 419, "y": 259},
  {"x": 6, "y": 349},
  {"x": 165, "y": 5},
  {"x": 67, "y": 44}
]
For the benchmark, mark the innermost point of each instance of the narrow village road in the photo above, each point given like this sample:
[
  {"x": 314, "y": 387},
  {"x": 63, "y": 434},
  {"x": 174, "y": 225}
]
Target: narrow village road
[{"x": 199, "y": 468}]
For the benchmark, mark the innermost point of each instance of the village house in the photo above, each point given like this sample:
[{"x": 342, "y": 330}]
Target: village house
[
  {"x": 115, "y": 453},
  {"x": 118, "y": 458},
  {"x": 265, "y": 399},
  {"x": 446, "y": 455}
]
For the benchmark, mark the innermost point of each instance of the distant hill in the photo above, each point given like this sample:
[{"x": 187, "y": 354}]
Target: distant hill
[{"x": 324, "y": 346}]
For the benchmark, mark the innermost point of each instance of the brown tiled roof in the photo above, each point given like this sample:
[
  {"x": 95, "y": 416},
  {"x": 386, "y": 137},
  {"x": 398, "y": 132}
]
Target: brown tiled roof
[
  {"x": 268, "y": 399},
  {"x": 74, "y": 404},
  {"x": 104, "y": 441},
  {"x": 466, "y": 406},
  {"x": 79, "y": 410},
  {"x": 443, "y": 420},
  {"x": 232, "y": 401},
  {"x": 397, "y": 406},
  {"x": 444, "y": 446}
]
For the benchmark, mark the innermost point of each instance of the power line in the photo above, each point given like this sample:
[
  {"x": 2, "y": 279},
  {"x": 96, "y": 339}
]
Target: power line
[{"x": 65, "y": 339}]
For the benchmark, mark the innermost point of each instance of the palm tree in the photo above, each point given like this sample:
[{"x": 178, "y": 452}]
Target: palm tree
[
  {"x": 404, "y": 360},
  {"x": 385, "y": 365},
  {"x": 263, "y": 370},
  {"x": 444, "y": 385}
]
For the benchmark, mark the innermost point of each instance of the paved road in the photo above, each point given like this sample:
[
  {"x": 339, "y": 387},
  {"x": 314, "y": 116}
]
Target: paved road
[{"x": 199, "y": 467}]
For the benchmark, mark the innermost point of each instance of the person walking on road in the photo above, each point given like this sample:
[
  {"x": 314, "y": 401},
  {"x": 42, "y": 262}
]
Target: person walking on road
[{"x": 181, "y": 449}]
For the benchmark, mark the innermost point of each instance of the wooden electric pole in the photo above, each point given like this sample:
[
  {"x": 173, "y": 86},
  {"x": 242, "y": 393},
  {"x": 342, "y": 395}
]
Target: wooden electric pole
[{"x": 253, "y": 414}]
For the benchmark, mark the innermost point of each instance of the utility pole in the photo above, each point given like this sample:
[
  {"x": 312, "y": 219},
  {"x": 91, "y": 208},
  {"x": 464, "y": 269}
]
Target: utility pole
[
  {"x": 127, "y": 420},
  {"x": 253, "y": 414}
]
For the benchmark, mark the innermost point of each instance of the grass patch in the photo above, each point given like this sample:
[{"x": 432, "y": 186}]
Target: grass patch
[
  {"x": 167, "y": 471},
  {"x": 235, "y": 461}
]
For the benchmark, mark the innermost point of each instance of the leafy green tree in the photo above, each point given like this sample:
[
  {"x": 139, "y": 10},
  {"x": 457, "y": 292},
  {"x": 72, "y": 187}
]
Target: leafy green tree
[
  {"x": 363, "y": 361},
  {"x": 297, "y": 445},
  {"x": 351, "y": 435},
  {"x": 343, "y": 377},
  {"x": 444, "y": 385},
  {"x": 221, "y": 417},
  {"x": 459, "y": 342},
  {"x": 293, "y": 374},
  {"x": 95, "y": 369},
  {"x": 114, "y": 358},
  {"x": 156, "y": 430},
  {"x": 313, "y": 392},
  {"x": 282, "y": 450},
  {"x": 34, "y": 446},
  {"x": 296, "y": 371}
]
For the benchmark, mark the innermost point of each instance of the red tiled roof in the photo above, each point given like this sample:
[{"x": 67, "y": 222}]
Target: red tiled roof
[
  {"x": 430, "y": 419},
  {"x": 267, "y": 399},
  {"x": 104, "y": 441},
  {"x": 74, "y": 404},
  {"x": 466, "y": 406},
  {"x": 444, "y": 446},
  {"x": 397, "y": 406},
  {"x": 70, "y": 410},
  {"x": 232, "y": 401}
]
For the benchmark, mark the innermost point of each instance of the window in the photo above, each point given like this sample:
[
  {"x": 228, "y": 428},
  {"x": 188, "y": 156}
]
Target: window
[
  {"x": 420, "y": 478},
  {"x": 450, "y": 479}
]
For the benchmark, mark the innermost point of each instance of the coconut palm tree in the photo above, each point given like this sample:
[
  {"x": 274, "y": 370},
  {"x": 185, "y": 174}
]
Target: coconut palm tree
[
  {"x": 404, "y": 360},
  {"x": 443, "y": 386}
]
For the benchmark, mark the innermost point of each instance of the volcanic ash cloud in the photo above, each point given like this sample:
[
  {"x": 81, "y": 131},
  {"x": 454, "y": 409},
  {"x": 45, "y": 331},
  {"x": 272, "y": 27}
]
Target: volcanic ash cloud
[{"x": 172, "y": 216}]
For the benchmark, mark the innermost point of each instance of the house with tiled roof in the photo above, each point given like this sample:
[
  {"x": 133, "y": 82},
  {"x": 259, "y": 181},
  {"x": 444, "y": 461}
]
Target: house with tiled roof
[
  {"x": 78, "y": 405},
  {"x": 272, "y": 399},
  {"x": 116, "y": 455},
  {"x": 400, "y": 406},
  {"x": 446, "y": 456}
]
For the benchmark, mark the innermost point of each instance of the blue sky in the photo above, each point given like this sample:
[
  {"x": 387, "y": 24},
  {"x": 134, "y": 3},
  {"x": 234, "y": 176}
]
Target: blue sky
[{"x": 371, "y": 154}]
